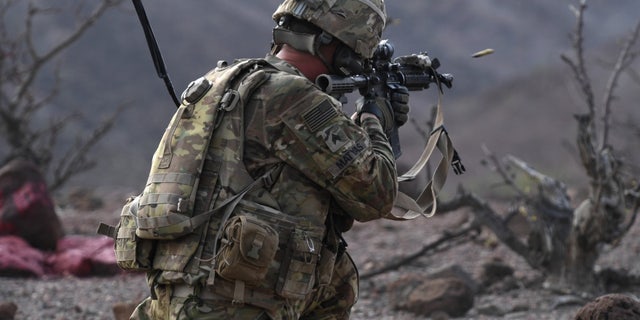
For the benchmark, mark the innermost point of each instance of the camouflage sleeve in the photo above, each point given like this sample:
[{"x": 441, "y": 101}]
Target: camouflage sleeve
[{"x": 354, "y": 163}]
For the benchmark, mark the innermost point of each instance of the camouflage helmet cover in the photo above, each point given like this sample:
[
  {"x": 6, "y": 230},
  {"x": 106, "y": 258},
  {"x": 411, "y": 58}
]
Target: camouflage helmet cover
[{"x": 357, "y": 23}]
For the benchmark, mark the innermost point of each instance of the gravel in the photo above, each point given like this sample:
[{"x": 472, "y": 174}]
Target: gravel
[
  {"x": 70, "y": 298},
  {"x": 372, "y": 245}
]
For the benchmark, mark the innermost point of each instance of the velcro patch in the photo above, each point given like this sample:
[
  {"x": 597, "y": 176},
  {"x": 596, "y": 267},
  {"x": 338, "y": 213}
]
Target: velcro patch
[
  {"x": 334, "y": 137},
  {"x": 319, "y": 116},
  {"x": 347, "y": 158}
]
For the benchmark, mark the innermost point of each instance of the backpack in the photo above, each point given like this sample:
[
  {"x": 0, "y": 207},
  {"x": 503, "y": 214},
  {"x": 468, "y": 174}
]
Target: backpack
[{"x": 174, "y": 204}]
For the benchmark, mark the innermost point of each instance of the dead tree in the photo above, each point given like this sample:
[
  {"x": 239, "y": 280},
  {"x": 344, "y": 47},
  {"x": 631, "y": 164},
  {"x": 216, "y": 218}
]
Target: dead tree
[
  {"x": 24, "y": 62},
  {"x": 608, "y": 213},
  {"x": 565, "y": 240}
]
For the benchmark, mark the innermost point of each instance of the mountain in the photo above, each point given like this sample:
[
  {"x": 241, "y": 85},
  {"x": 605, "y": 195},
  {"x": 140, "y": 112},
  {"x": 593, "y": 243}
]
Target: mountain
[{"x": 518, "y": 100}]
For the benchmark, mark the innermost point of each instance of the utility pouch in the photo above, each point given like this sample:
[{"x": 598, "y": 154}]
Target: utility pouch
[
  {"x": 298, "y": 267},
  {"x": 328, "y": 257},
  {"x": 325, "y": 266},
  {"x": 132, "y": 253},
  {"x": 248, "y": 247}
]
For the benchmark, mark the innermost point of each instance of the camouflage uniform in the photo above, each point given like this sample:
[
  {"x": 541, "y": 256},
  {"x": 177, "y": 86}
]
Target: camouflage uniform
[
  {"x": 333, "y": 166},
  {"x": 334, "y": 171}
]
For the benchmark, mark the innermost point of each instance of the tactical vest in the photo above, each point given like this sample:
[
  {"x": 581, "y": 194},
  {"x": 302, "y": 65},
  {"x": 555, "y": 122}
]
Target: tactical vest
[
  {"x": 197, "y": 165},
  {"x": 191, "y": 221}
]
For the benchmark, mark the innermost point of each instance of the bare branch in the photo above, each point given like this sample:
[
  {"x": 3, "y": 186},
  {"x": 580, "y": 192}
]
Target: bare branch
[
  {"x": 22, "y": 62},
  {"x": 29, "y": 109},
  {"x": 578, "y": 67},
  {"x": 40, "y": 60},
  {"x": 75, "y": 160},
  {"x": 499, "y": 168},
  {"x": 486, "y": 216},
  {"x": 625, "y": 58},
  {"x": 634, "y": 75},
  {"x": 446, "y": 238}
]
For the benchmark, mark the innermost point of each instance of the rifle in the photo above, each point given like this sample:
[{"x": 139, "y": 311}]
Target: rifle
[{"x": 383, "y": 74}]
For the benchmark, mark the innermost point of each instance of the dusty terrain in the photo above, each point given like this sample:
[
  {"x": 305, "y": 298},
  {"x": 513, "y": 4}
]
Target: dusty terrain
[{"x": 372, "y": 246}]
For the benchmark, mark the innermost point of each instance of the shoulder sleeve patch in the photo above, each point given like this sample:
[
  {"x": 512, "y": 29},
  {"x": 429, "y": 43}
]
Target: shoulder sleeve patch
[
  {"x": 348, "y": 157},
  {"x": 334, "y": 137},
  {"x": 318, "y": 116}
]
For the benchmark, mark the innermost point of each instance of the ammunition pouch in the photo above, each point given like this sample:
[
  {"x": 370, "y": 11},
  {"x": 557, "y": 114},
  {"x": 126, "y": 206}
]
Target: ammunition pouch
[
  {"x": 248, "y": 247},
  {"x": 132, "y": 253},
  {"x": 261, "y": 247}
]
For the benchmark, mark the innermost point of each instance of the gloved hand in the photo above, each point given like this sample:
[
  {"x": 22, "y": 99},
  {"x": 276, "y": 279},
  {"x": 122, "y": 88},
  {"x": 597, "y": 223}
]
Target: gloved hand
[
  {"x": 399, "y": 99},
  {"x": 380, "y": 107},
  {"x": 393, "y": 112}
]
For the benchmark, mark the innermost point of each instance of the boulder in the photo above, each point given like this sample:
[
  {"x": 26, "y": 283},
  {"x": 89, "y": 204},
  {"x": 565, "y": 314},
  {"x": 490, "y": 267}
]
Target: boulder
[
  {"x": 494, "y": 271},
  {"x": 610, "y": 306},
  {"x": 8, "y": 310},
  {"x": 449, "y": 291},
  {"x": 26, "y": 208}
]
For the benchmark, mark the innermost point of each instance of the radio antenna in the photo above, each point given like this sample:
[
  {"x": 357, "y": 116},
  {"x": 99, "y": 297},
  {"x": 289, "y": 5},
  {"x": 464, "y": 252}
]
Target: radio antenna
[{"x": 154, "y": 50}]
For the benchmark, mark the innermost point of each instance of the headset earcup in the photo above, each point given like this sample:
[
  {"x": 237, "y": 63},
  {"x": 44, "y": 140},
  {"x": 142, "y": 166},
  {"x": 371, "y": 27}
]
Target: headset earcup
[{"x": 347, "y": 61}]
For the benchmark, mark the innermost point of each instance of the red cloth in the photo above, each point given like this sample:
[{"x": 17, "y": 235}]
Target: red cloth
[
  {"x": 18, "y": 258},
  {"x": 75, "y": 255}
]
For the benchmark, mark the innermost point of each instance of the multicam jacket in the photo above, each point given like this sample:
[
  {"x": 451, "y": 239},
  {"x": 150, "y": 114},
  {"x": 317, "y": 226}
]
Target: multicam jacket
[{"x": 332, "y": 163}]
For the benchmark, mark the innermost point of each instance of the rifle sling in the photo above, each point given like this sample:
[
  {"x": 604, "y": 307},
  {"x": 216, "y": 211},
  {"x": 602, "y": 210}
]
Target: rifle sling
[{"x": 407, "y": 208}]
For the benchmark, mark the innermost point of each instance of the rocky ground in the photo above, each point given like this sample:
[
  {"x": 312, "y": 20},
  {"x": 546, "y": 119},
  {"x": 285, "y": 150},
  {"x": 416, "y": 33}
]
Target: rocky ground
[{"x": 372, "y": 245}]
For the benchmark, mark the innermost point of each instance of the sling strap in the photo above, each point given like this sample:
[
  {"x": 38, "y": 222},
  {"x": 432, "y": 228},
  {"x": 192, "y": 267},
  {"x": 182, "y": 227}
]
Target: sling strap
[{"x": 407, "y": 208}]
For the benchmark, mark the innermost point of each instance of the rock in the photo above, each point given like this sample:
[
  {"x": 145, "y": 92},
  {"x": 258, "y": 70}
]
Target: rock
[
  {"x": 123, "y": 310},
  {"x": 8, "y": 310},
  {"x": 490, "y": 310},
  {"x": 439, "y": 315},
  {"x": 450, "y": 295},
  {"x": 610, "y": 306},
  {"x": 495, "y": 271},
  {"x": 430, "y": 296},
  {"x": 26, "y": 208},
  {"x": 455, "y": 271}
]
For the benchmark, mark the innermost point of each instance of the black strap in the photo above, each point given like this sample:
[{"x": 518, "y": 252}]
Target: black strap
[{"x": 155, "y": 50}]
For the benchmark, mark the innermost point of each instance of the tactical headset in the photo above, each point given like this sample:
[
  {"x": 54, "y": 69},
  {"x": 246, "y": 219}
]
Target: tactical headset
[{"x": 306, "y": 37}]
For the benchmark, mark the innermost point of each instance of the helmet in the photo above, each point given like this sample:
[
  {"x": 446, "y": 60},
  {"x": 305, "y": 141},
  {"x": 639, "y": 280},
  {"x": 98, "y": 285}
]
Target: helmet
[{"x": 357, "y": 23}]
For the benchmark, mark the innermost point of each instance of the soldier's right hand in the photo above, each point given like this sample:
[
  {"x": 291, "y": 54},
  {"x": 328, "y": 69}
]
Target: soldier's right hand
[{"x": 379, "y": 107}]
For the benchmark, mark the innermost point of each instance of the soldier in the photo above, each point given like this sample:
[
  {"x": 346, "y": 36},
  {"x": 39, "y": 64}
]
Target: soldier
[{"x": 330, "y": 169}]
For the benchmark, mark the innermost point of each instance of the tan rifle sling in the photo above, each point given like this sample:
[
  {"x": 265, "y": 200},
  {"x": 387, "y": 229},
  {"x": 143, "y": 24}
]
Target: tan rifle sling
[{"x": 407, "y": 208}]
